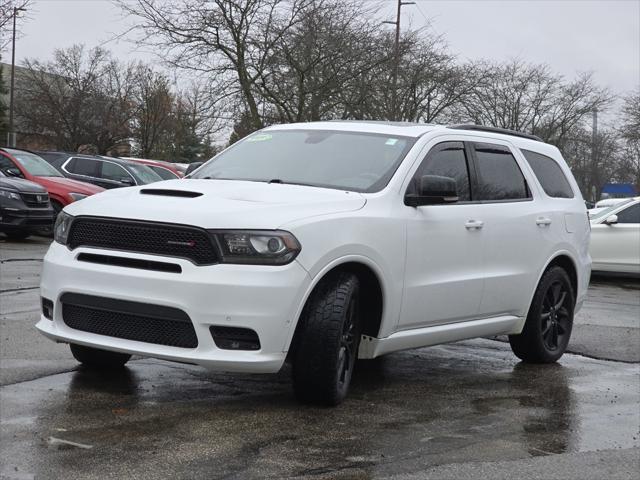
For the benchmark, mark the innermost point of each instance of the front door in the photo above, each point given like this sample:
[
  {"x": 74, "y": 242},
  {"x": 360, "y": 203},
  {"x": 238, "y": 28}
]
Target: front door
[{"x": 443, "y": 274}]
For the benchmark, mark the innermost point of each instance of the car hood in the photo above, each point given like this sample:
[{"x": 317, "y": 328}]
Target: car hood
[
  {"x": 20, "y": 185},
  {"x": 70, "y": 185},
  {"x": 219, "y": 203}
]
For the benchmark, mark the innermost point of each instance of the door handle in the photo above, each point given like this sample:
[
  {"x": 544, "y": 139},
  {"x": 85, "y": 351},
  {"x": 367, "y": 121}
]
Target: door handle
[
  {"x": 474, "y": 224},
  {"x": 543, "y": 221}
]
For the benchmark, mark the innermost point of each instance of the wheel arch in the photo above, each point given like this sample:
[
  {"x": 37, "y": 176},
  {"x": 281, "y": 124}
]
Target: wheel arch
[
  {"x": 566, "y": 261},
  {"x": 372, "y": 294}
]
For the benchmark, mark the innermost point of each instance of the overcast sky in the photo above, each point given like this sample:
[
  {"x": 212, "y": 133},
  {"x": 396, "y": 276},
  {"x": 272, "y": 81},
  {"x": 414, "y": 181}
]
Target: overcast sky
[{"x": 602, "y": 36}]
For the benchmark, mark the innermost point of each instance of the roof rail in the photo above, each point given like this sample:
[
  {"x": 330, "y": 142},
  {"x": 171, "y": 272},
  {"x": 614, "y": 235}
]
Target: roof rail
[{"x": 503, "y": 131}]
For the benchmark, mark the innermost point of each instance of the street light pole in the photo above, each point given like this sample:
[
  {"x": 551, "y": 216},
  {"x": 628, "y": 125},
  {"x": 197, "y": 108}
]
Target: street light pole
[
  {"x": 396, "y": 60},
  {"x": 11, "y": 135}
]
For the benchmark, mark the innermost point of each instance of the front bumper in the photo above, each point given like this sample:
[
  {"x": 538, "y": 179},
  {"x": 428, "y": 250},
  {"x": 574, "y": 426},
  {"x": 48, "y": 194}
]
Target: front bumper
[
  {"x": 265, "y": 299},
  {"x": 28, "y": 219}
]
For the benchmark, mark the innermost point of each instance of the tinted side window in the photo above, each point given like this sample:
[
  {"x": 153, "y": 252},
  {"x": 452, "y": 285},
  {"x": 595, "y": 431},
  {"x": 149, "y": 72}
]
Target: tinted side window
[
  {"x": 5, "y": 163},
  {"x": 55, "y": 161},
  {"x": 447, "y": 160},
  {"x": 499, "y": 176},
  {"x": 112, "y": 171},
  {"x": 630, "y": 215},
  {"x": 163, "y": 172},
  {"x": 550, "y": 175},
  {"x": 83, "y": 166}
]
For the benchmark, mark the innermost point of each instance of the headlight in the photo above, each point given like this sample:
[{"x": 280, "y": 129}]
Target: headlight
[
  {"x": 257, "y": 247},
  {"x": 9, "y": 194},
  {"x": 77, "y": 196},
  {"x": 61, "y": 228}
]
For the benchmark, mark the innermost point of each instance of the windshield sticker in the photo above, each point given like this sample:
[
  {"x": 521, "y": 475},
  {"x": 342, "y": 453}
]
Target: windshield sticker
[
  {"x": 391, "y": 141},
  {"x": 260, "y": 137}
]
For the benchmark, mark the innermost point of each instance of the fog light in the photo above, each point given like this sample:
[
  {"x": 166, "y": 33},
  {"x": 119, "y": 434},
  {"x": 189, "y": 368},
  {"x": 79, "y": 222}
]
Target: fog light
[
  {"x": 234, "y": 338},
  {"x": 47, "y": 308}
]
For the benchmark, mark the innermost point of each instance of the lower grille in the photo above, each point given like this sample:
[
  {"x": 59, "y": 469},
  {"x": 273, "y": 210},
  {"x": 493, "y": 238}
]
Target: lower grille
[{"x": 141, "y": 322}]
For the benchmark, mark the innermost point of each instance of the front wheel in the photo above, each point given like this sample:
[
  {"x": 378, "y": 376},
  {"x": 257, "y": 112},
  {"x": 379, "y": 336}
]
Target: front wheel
[
  {"x": 548, "y": 326},
  {"x": 326, "y": 345},
  {"x": 99, "y": 359}
]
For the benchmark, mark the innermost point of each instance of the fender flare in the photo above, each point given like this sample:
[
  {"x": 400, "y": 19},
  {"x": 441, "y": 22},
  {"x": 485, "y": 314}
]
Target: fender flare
[
  {"x": 336, "y": 262},
  {"x": 559, "y": 253}
]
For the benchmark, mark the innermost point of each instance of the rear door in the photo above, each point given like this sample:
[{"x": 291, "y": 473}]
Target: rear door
[{"x": 517, "y": 230}]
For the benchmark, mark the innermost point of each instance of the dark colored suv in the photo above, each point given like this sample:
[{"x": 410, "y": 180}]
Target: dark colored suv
[
  {"x": 105, "y": 172},
  {"x": 24, "y": 207}
]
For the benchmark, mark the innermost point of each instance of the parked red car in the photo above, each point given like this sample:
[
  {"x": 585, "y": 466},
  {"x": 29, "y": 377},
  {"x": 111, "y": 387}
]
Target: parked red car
[
  {"x": 62, "y": 191},
  {"x": 166, "y": 170}
]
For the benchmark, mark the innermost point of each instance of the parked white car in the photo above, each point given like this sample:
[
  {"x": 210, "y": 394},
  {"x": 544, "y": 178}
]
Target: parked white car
[
  {"x": 615, "y": 238},
  {"x": 609, "y": 202},
  {"x": 321, "y": 242}
]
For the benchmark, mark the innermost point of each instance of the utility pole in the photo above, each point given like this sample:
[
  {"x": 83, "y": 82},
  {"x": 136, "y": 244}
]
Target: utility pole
[
  {"x": 396, "y": 61},
  {"x": 594, "y": 145},
  {"x": 11, "y": 134}
]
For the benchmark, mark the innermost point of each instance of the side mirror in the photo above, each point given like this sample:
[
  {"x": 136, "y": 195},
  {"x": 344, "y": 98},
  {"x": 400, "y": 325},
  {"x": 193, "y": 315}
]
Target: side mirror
[
  {"x": 611, "y": 220},
  {"x": 127, "y": 181},
  {"x": 433, "y": 190},
  {"x": 14, "y": 172}
]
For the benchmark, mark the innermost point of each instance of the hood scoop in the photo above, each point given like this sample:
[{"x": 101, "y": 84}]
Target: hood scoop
[{"x": 164, "y": 192}]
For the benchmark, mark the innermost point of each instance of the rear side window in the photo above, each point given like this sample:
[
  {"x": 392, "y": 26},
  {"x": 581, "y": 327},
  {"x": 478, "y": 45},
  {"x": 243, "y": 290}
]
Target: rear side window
[
  {"x": 447, "y": 160},
  {"x": 630, "y": 214},
  {"x": 163, "y": 173},
  {"x": 549, "y": 174},
  {"x": 499, "y": 176},
  {"x": 83, "y": 166},
  {"x": 113, "y": 171}
]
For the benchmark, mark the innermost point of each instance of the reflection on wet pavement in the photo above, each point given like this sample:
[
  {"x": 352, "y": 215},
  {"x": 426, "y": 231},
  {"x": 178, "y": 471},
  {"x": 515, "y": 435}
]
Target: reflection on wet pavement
[{"x": 457, "y": 403}]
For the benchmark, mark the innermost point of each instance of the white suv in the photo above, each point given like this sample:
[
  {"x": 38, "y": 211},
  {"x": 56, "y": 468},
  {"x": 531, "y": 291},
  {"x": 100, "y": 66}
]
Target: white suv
[{"x": 321, "y": 242}]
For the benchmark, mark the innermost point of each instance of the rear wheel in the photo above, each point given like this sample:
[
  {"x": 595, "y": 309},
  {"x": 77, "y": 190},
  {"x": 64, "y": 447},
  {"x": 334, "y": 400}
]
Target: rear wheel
[
  {"x": 99, "y": 359},
  {"x": 547, "y": 329},
  {"x": 326, "y": 344}
]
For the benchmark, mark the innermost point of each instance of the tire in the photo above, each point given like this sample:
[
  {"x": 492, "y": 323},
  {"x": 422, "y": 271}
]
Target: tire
[
  {"x": 99, "y": 359},
  {"x": 326, "y": 343},
  {"x": 17, "y": 235},
  {"x": 547, "y": 330}
]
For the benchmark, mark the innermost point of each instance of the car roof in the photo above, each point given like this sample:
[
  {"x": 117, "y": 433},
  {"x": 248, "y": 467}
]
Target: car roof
[
  {"x": 416, "y": 130},
  {"x": 406, "y": 129}
]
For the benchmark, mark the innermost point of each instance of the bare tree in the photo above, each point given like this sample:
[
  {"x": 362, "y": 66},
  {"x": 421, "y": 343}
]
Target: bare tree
[
  {"x": 530, "y": 98},
  {"x": 630, "y": 138},
  {"x": 81, "y": 97},
  {"x": 152, "y": 111},
  {"x": 316, "y": 60},
  {"x": 6, "y": 18},
  {"x": 231, "y": 39}
]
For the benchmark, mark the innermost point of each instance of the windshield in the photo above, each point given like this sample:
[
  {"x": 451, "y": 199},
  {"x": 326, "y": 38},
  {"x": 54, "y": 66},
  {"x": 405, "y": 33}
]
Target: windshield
[
  {"x": 607, "y": 211},
  {"x": 143, "y": 174},
  {"x": 35, "y": 165},
  {"x": 361, "y": 162}
]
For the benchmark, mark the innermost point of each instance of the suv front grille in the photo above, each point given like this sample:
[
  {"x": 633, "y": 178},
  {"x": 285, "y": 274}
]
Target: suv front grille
[
  {"x": 35, "y": 200},
  {"x": 169, "y": 240},
  {"x": 141, "y": 322}
]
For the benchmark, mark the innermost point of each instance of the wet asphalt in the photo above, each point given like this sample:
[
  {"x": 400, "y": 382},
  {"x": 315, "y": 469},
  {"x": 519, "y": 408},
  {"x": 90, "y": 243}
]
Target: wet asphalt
[{"x": 464, "y": 410}]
